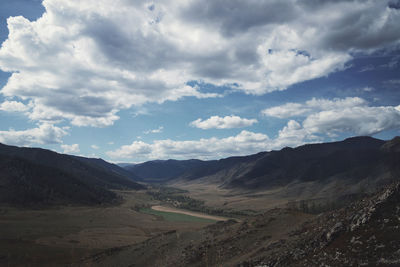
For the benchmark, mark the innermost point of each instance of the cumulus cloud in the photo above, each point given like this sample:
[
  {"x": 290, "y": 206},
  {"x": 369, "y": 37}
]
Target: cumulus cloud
[
  {"x": 359, "y": 120},
  {"x": 84, "y": 62},
  {"x": 13, "y": 106},
  {"x": 244, "y": 143},
  {"x": 94, "y": 146},
  {"x": 293, "y": 134},
  {"x": 43, "y": 134},
  {"x": 329, "y": 117},
  {"x": 227, "y": 122},
  {"x": 71, "y": 149}
]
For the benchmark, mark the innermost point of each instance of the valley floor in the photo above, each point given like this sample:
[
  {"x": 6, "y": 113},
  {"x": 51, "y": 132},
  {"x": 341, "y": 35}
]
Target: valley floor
[
  {"x": 59, "y": 236},
  {"x": 190, "y": 213}
]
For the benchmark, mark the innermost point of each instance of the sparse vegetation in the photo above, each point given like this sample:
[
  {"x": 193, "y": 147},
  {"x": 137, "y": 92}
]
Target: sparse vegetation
[
  {"x": 176, "y": 198},
  {"x": 317, "y": 206}
]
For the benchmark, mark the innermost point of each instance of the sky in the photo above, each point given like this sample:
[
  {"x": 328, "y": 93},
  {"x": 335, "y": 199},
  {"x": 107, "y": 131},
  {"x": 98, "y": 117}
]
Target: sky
[{"x": 131, "y": 81}]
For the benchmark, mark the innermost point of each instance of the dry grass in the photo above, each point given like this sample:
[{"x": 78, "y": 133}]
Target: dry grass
[
  {"x": 235, "y": 200},
  {"x": 58, "y": 236}
]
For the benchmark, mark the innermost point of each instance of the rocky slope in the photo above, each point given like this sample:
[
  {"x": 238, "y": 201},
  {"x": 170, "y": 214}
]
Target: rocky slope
[{"x": 366, "y": 233}]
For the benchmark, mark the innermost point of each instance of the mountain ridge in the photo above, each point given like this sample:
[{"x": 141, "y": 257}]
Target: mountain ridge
[
  {"x": 334, "y": 169},
  {"x": 35, "y": 176}
]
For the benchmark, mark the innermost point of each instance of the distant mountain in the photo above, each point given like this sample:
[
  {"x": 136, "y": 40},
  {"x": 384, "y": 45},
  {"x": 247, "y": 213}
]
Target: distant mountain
[
  {"x": 353, "y": 159},
  {"x": 162, "y": 170},
  {"x": 32, "y": 176},
  {"x": 106, "y": 166},
  {"x": 312, "y": 171}
]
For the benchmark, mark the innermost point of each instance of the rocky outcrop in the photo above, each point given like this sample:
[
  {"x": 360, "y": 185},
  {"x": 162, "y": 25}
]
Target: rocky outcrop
[{"x": 366, "y": 233}]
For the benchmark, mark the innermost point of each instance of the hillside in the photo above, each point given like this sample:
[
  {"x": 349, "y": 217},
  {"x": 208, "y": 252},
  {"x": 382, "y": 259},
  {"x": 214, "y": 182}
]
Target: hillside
[
  {"x": 363, "y": 234},
  {"x": 352, "y": 157},
  {"x": 33, "y": 176},
  {"x": 349, "y": 159}
]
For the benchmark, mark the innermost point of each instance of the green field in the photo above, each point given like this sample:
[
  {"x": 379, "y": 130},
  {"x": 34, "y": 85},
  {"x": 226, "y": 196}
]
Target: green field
[{"x": 175, "y": 217}]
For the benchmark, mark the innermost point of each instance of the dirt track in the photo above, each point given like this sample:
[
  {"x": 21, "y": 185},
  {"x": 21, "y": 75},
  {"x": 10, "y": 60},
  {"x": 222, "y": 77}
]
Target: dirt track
[{"x": 190, "y": 213}]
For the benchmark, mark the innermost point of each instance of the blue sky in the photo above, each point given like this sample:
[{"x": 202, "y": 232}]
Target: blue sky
[{"x": 130, "y": 81}]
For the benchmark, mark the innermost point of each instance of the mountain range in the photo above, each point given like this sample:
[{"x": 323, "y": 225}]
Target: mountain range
[
  {"x": 329, "y": 170},
  {"x": 313, "y": 170}
]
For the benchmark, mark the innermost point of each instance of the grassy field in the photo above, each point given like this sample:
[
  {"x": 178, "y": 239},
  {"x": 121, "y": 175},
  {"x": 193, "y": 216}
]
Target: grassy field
[{"x": 175, "y": 217}]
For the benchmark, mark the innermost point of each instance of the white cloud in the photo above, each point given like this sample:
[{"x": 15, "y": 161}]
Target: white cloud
[
  {"x": 226, "y": 122},
  {"x": 293, "y": 134},
  {"x": 329, "y": 117},
  {"x": 362, "y": 120},
  {"x": 94, "y": 146},
  {"x": 84, "y": 62},
  {"x": 43, "y": 134},
  {"x": 13, "y": 106},
  {"x": 244, "y": 143},
  {"x": 158, "y": 130},
  {"x": 311, "y": 106},
  {"x": 71, "y": 149}
]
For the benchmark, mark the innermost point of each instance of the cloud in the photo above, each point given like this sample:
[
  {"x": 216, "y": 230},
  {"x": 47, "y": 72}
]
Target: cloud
[
  {"x": 84, "y": 62},
  {"x": 358, "y": 120},
  {"x": 43, "y": 134},
  {"x": 227, "y": 122},
  {"x": 71, "y": 149},
  {"x": 329, "y": 117},
  {"x": 13, "y": 106},
  {"x": 94, "y": 146},
  {"x": 158, "y": 130},
  {"x": 368, "y": 89},
  {"x": 293, "y": 134},
  {"x": 244, "y": 143},
  {"x": 368, "y": 67},
  {"x": 311, "y": 106}
]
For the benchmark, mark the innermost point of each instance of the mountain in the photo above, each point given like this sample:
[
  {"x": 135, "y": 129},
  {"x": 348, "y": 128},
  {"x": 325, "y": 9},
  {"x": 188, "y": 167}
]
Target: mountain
[
  {"x": 305, "y": 163},
  {"x": 327, "y": 170},
  {"x": 350, "y": 159},
  {"x": 108, "y": 167},
  {"x": 34, "y": 176},
  {"x": 162, "y": 170}
]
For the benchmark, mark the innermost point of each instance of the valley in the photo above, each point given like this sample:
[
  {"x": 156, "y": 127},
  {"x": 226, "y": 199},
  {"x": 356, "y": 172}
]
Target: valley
[
  {"x": 199, "y": 133},
  {"x": 278, "y": 208}
]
